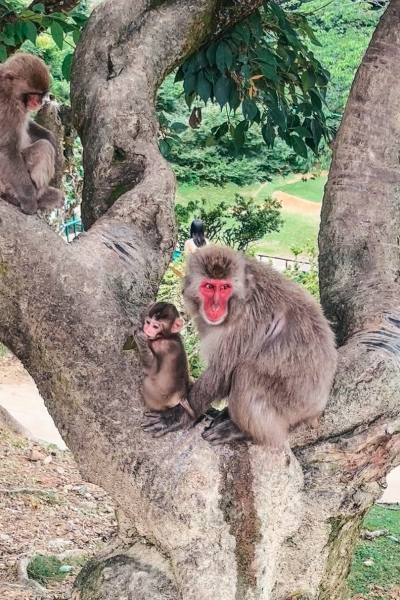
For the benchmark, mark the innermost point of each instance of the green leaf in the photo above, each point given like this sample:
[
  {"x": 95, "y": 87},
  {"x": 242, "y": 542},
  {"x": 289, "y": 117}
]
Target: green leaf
[
  {"x": 278, "y": 116},
  {"x": 234, "y": 100},
  {"x": 57, "y": 33},
  {"x": 164, "y": 147},
  {"x": 223, "y": 57},
  {"x": 266, "y": 56},
  {"x": 211, "y": 53},
  {"x": 249, "y": 109},
  {"x": 8, "y": 36},
  {"x": 299, "y": 146},
  {"x": 3, "y": 53},
  {"x": 303, "y": 132},
  {"x": 40, "y": 8},
  {"x": 76, "y": 34},
  {"x": 66, "y": 67},
  {"x": 210, "y": 141},
  {"x": 316, "y": 130},
  {"x": 315, "y": 100},
  {"x": 180, "y": 75},
  {"x": 268, "y": 133},
  {"x": 178, "y": 127},
  {"x": 269, "y": 72},
  {"x": 189, "y": 84},
  {"x": 239, "y": 136},
  {"x": 222, "y": 90},
  {"x": 204, "y": 87},
  {"x": 244, "y": 32},
  {"x": 162, "y": 119},
  {"x": 308, "y": 79},
  {"x": 30, "y": 31}
]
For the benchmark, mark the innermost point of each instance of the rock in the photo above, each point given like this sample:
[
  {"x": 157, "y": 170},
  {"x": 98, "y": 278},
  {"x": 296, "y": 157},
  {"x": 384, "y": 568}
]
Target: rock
[
  {"x": 86, "y": 505},
  {"x": 35, "y": 455},
  {"x": 68, "y": 487},
  {"x": 58, "y": 543},
  {"x": 4, "y": 537},
  {"x": 369, "y": 563},
  {"x": 48, "y": 460},
  {"x": 65, "y": 569},
  {"x": 60, "y": 470}
]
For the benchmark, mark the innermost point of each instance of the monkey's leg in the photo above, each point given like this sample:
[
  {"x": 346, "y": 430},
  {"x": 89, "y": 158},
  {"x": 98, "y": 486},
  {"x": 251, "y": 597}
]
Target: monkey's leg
[
  {"x": 51, "y": 198},
  {"x": 40, "y": 160}
]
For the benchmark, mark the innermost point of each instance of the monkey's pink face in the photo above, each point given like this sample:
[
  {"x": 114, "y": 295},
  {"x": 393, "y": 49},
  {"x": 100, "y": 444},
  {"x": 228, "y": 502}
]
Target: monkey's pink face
[
  {"x": 215, "y": 294},
  {"x": 152, "y": 328},
  {"x": 33, "y": 101}
]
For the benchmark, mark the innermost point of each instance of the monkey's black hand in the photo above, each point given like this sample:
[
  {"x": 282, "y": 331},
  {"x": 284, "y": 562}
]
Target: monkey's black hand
[
  {"x": 222, "y": 432},
  {"x": 173, "y": 419}
]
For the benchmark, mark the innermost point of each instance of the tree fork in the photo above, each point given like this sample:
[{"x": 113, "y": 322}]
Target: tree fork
[{"x": 240, "y": 521}]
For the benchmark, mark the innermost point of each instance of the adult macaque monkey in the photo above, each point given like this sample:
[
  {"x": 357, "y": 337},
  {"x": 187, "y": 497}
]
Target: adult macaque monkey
[
  {"x": 163, "y": 358},
  {"x": 27, "y": 150},
  {"x": 269, "y": 348}
]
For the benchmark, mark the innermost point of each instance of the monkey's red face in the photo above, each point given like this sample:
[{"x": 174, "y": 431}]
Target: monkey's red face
[{"x": 215, "y": 294}]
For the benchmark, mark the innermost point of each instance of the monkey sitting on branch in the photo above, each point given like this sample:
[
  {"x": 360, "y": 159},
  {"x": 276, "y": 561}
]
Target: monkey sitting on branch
[
  {"x": 269, "y": 348},
  {"x": 163, "y": 358},
  {"x": 27, "y": 150}
]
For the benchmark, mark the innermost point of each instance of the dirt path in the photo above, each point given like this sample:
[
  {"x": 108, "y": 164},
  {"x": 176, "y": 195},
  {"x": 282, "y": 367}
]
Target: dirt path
[{"x": 296, "y": 204}]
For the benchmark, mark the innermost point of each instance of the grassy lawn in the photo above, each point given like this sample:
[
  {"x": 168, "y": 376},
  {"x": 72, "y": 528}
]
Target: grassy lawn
[
  {"x": 312, "y": 189},
  {"x": 379, "y": 579},
  {"x": 297, "y": 229}
]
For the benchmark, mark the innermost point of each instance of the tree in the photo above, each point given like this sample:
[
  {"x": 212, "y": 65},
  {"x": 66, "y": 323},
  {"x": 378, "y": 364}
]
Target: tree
[{"x": 195, "y": 521}]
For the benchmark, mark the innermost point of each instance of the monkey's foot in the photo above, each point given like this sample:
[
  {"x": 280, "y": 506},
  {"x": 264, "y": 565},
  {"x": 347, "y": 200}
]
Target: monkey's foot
[
  {"x": 223, "y": 430},
  {"x": 160, "y": 423}
]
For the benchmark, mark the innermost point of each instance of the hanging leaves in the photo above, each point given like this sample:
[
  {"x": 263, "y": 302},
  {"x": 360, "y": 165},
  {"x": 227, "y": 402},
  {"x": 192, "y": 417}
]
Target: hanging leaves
[{"x": 263, "y": 67}]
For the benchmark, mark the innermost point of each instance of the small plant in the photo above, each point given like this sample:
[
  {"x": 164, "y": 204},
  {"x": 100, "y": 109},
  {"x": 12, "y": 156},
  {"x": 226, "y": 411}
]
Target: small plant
[
  {"x": 45, "y": 568},
  {"x": 309, "y": 279},
  {"x": 238, "y": 225}
]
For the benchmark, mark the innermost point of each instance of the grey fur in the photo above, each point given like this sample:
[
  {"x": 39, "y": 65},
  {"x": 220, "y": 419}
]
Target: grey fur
[
  {"x": 27, "y": 150},
  {"x": 164, "y": 361},
  {"x": 273, "y": 357}
]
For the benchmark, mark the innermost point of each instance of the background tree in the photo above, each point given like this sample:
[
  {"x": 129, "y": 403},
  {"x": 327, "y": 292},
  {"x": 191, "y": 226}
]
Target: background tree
[{"x": 194, "y": 520}]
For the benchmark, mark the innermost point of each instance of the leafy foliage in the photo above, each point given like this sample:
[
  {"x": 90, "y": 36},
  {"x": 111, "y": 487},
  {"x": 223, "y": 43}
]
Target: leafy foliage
[
  {"x": 238, "y": 225},
  {"x": 19, "y": 24},
  {"x": 307, "y": 279},
  {"x": 264, "y": 67}
]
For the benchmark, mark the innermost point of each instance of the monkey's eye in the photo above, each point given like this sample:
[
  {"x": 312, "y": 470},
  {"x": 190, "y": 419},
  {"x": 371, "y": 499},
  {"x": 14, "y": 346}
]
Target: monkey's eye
[
  {"x": 156, "y": 326},
  {"x": 147, "y": 321},
  {"x": 209, "y": 286},
  {"x": 226, "y": 286}
]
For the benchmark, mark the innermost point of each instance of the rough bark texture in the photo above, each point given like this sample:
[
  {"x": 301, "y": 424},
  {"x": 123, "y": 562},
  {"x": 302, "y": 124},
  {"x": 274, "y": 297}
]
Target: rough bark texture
[{"x": 196, "y": 522}]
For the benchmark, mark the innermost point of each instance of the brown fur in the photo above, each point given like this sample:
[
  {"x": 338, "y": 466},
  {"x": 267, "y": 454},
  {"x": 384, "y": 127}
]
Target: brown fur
[
  {"x": 164, "y": 361},
  {"x": 273, "y": 357},
  {"x": 27, "y": 150}
]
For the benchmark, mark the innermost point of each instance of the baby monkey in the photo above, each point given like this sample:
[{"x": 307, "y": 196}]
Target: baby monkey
[{"x": 163, "y": 358}]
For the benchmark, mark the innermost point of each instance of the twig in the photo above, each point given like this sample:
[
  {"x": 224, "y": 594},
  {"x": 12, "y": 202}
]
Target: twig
[{"x": 26, "y": 490}]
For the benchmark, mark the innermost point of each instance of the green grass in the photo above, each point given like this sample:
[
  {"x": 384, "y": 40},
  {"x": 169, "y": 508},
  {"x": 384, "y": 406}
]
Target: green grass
[
  {"x": 297, "y": 229},
  {"x": 383, "y": 551},
  {"x": 312, "y": 189}
]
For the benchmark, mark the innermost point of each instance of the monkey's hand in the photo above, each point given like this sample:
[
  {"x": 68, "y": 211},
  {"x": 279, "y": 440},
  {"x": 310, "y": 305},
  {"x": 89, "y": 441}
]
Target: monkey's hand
[{"x": 173, "y": 419}]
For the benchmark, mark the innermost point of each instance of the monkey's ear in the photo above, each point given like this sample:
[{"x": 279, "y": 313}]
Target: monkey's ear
[{"x": 177, "y": 325}]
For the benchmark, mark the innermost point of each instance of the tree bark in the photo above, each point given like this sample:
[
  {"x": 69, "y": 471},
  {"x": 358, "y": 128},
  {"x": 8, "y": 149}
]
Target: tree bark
[{"x": 198, "y": 522}]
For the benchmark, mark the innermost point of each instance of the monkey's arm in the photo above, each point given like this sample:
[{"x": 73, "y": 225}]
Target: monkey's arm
[
  {"x": 147, "y": 357},
  {"x": 37, "y": 132},
  {"x": 209, "y": 386}
]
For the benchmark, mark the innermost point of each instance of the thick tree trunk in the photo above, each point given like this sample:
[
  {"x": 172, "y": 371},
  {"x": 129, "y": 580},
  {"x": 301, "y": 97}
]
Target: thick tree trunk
[{"x": 197, "y": 522}]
